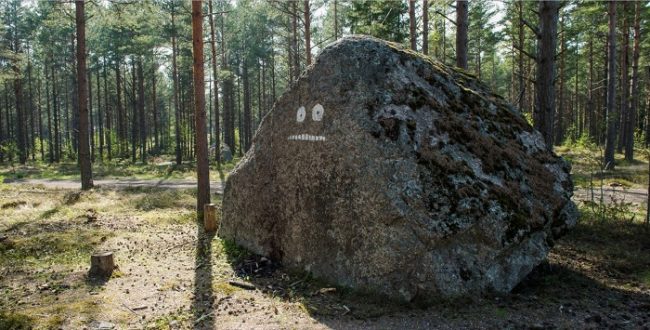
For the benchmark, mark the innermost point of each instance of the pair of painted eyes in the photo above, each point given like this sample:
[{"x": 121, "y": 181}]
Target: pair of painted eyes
[{"x": 317, "y": 113}]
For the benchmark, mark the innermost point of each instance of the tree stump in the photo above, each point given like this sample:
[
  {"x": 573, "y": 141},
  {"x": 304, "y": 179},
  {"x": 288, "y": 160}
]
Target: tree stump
[
  {"x": 210, "y": 217},
  {"x": 101, "y": 264}
]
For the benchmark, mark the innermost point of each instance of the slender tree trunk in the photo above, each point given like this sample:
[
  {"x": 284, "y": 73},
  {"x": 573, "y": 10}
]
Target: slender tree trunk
[
  {"x": 50, "y": 142},
  {"x": 30, "y": 110},
  {"x": 202, "y": 171},
  {"x": 100, "y": 117},
  {"x": 40, "y": 121},
  {"x": 559, "y": 130},
  {"x": 84, "y": 152},
  {"x": 520, "y": 61},
  {"x": 213, "y": 49},
  {"x": 294, "y": 40},
  {"x": 625, "y": 125},
  {"x": 57, "y": 118},
  {"x": 247, "y": 108},
  {"x": 20, "y": 111},
  {"x": 336, "y": 21},
  {"x": 179, "y": 155},
  {"x": 307, "y": 32},
  {"x": 425, "y": 27},
  {"x": 141, "y": 112},
  {"x": 154, "y": 109},
  {"x": 412, "y": 35},
  {"x": 629, "y": 145},
  {"x": 462, "y": 23},
  {"x": 544, "y": 83},
  {"x": 612, "y": 116},
  {"x": 590, "y": 93},
  {"x": 109, "y": 119},
  {"x": 91, "y": 117}
]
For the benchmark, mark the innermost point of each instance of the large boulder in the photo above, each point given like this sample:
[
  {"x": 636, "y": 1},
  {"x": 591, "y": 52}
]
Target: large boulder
[{"x": 383, "y": 170}]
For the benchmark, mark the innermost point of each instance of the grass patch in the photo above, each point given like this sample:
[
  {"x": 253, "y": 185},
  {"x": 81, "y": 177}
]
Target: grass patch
[
  {"x": 15, "y": 321},
  {"x": 164, "y": 199},
  {"x": 53, "y": 248}
]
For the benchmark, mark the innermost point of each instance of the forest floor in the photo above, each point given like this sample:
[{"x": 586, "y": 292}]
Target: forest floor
[{"x": 173, "y": 276}]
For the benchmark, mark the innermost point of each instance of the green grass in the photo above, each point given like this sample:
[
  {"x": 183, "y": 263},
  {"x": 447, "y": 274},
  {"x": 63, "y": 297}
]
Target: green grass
[
  {"x": 158, "y": 168},
  {"x": 70, "y": 247},
  {"x": 15, "y": 321}
]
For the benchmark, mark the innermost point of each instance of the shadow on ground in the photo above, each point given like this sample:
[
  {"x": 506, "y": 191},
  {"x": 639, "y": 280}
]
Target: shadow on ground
[{"x": 587, "y": 290}]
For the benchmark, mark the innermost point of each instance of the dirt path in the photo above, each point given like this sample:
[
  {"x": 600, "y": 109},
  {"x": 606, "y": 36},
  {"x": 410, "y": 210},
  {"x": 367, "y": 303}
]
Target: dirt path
[
  {"x": 610, "y": 194},
  {"x": 619, "y": 194},
  {"x": 215, "y": 186}
]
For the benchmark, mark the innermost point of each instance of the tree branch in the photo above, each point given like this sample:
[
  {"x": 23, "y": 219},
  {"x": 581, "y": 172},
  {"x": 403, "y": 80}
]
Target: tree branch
[
  {"x": 525, "y": 52},
  {"x": 445, "y": 16},
  {"x": 532, "y": 28}
]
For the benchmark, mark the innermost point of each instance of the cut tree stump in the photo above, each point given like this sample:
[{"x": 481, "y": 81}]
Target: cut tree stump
[
  {"x": 210, "y": 217},
  {"x": 101, "y": 264}
]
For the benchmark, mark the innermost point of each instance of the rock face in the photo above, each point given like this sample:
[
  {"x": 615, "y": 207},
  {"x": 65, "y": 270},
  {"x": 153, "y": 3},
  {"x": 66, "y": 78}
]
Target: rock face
[{"x": 383, "y": 170}]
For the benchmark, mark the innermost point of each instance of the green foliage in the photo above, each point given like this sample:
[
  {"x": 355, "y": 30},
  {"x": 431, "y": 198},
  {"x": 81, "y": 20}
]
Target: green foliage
[{"x": 379, "y": 18}]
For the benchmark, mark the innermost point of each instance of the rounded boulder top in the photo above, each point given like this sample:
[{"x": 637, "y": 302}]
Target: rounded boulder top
[{"x": 383, "y": 170}]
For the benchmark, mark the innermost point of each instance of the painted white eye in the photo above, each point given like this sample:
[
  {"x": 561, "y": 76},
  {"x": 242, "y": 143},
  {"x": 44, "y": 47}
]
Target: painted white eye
[
  {"x": 300, "y": 116},
  {"x": 317, "y": 112}
]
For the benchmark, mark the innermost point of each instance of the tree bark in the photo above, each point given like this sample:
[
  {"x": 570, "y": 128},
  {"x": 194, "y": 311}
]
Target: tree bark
[
  {"x": 177, "y": 124},
  {"x": 82, "y": 98},
  {"x": 425, "y": 27},
  {"x": 629, "y": 145},
  {"x": 612, "y": 116},
  {"x": 142, "y": 129},
  {"x": 544, "y": 83},
  {"x": 625, "y": 125},
  {"x": 202, "y": 170},
  {"x": 217, "y": 129},
  {"x": 462, "y": 24},
  {"x": 307, "y": 32},
  {"x": 412, "y": 36}
]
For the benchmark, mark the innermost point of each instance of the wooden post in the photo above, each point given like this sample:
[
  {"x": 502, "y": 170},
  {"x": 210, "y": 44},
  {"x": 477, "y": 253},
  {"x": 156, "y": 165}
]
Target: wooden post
[
  {"x": 101, "y": 264},
  {"x": 210, "y": 217}
]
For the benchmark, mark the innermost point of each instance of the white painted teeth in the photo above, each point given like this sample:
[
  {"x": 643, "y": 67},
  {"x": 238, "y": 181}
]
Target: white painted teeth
[{"x": 306, "y": 137}]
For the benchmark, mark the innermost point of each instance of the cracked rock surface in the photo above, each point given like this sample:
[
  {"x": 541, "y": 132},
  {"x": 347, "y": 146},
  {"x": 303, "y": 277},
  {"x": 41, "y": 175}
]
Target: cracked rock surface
[{"x": 385, "y": 171}]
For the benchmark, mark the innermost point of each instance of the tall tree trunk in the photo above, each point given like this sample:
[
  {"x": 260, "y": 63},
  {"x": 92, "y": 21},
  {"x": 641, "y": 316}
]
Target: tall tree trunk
[
  {"x": 462, "y": 24},
  {"x": 590, "y": 93},
  {"x": 559, "y": 130},
  {"x": 307, "y": 32},
  {"x": 82, "y": 98},
  {"x": 100, "y": 116},
  {"x": 294, "y": 40},
  {"x": 121, "y": 121},
  {"x": 109, "y": 119},
  {"x": 57, "y": 118},
  {"x": 412, "y": 36},
  {"x": 629, "y": 146},
  {"x": 154, "y": 109},
  {"x": 213, "y": 49},
  {"x": 30, "y": 109},
  {"x": 141, "y": 112},
  {"x": 425, "y": 27},
  {"x": 625, "y": 125},
  {"x": 20, "y": 111},
  {"x": 50, "y": 134},
  {"x": 520, "y": 61},
  {"x": 612, "y": 116},
  {"x": 247, "y": 108},
  {"x": 40, "y": 121},
  {"x": 177, "y": 125},
  {"x": 202, "y": 171},
  {"x": 544, "y": 83},
  {"x": 91, "y": 117},
  {"x": 336, "y": 21}
]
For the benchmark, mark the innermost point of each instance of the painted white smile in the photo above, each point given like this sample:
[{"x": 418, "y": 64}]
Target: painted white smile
[{"x": 306, "y": 137}]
